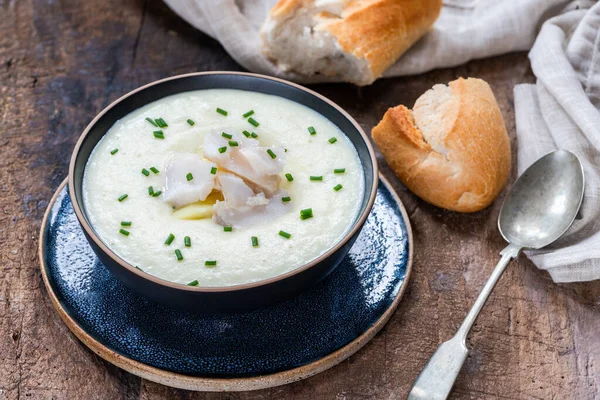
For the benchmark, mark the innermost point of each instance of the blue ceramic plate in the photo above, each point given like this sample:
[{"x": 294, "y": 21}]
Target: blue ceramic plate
[{"x": 270, "y": 347}]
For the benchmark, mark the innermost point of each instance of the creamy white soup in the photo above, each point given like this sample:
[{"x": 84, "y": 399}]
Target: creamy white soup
[{"x": 222, "y": 187}]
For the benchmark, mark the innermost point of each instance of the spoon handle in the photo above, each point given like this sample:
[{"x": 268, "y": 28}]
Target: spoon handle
[
  {"x": 511, "y": 251},
  {"x": 437, "y": 378}
]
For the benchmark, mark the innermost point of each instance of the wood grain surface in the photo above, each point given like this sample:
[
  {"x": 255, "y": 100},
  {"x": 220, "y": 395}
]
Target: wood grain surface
[{"x": 62, "y": 61}]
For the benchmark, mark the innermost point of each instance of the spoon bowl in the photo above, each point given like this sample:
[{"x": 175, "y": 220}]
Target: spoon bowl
[{"x": 543, "y": 202}]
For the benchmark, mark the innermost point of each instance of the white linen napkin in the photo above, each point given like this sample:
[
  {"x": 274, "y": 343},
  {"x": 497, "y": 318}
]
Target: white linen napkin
[{"x": 560, "y": 111}]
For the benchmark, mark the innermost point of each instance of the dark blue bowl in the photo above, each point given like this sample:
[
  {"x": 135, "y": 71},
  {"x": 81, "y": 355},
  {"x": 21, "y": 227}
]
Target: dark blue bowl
[{"x": 229, "y": 299}]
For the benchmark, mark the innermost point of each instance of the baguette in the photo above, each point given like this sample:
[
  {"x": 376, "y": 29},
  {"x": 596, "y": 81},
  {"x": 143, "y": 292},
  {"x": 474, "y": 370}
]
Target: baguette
[
  {"x": 352, "y": 40},
  {"x": 452, "y": 150}
]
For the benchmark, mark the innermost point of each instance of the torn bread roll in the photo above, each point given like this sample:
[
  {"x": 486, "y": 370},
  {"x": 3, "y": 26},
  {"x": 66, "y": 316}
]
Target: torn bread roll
[
  {"x": 451, "y": 149},
  {"x": 353, "y": 40}
]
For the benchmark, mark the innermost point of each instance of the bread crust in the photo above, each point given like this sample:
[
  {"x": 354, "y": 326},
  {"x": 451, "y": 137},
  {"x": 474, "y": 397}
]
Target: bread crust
[
  {"x": 286, "y": 7},
  {"x": 476, "y": 164},
  {"x": 378, "y": 31}
]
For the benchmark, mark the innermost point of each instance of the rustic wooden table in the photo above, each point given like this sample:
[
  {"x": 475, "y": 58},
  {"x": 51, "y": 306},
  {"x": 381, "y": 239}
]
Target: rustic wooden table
[{"x": 62, "y": 61}]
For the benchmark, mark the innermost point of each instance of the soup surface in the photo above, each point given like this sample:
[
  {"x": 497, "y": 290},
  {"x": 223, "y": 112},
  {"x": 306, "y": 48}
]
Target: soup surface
[{"x": 146, "y": 219}]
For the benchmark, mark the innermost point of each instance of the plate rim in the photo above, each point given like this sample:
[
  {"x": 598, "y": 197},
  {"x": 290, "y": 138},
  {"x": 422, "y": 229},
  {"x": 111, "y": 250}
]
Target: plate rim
[{"x": 205, "y": 384}]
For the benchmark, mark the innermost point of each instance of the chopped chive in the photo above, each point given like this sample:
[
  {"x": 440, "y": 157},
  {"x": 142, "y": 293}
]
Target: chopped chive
[
  {"x": 286, "y": 199},
  {"x": 193, "y": 283},
  {"x": 246, "y": 133},
  {"x": 154, "y": 169},
  {"x": 306, "y": 213},
  {"x": 157, "y": 193},
  {"x": 170, "y": 239},
  {"x": 221, "y": 111},
  {"x": 311, "y": 130},
  {"x": 253, "y": 122},
  {"x": 226, "y": 135},
  {"x": 233, "y": 143},
  {"x": 114, "y": 151},
  {"x": 316, "y": 178},
  {"x": 213, "y": 170},
  {"x": 125, "y": 223},
  {"x": 159, "y": 134},
  {"x": 285, "y": 234},
  {"x": 151, "y": 121},
  {"x": 178, "y": 255},
  {"x": 273, "y": 155},
  {"x": 189, "y": 176},
  {"x": 332, "y": 140},
  {"x": 139, "y": 268},
  {"x": 249, "y": 113},
  {"x": 122, "y": 197},
  {"x": 187, "y": 241},
  {"x": 150, "y": 190},
  {"x": 285, "y": 150},
  {"x": 161, "y": 123},
  {"x": 222, "y": 149},
  {"x": 338, "y": 187},
  {"x": 339, "y": 170},
  {"x": 228, "y": 228},
  {"x": 254, "y": 241},
  {"x": 254, "y": 135},
  {"x": 124, "y": 232},
  {"x": 210, "y": 263},
  {"x": 145, "y": 171},
  {"x": 191, "y": 122},
  {"x": 289, "y": 177}
]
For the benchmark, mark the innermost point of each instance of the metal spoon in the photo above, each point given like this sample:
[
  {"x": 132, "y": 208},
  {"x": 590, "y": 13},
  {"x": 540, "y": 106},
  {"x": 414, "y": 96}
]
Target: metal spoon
[{"x": 539, "y": 208}]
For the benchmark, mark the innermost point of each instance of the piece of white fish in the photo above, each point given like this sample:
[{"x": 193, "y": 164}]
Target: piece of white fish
[
  {"x": 243, "y": 206},
  {"x": 257, "y": 166},
  {"x": 234, "y": 189},
  {"x": 179, "y": 191},
  {"x": 247, "y": 160}
]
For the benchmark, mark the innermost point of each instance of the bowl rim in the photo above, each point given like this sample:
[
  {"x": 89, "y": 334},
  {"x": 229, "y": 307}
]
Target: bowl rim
[{"x": 358, "y": 223}]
